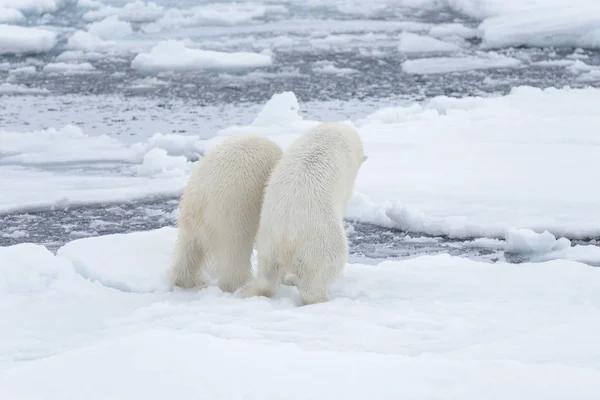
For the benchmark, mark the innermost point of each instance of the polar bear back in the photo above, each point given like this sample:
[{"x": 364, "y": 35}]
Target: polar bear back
[
  {"x": 324, "y": 161},
  {"x": 225, "y": 189},
  {"x": 307, "y": 193}
]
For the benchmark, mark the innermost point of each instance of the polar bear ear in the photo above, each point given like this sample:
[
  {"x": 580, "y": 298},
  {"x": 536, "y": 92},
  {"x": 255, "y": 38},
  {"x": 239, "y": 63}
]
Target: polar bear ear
[{"x": 365, "y": 158}]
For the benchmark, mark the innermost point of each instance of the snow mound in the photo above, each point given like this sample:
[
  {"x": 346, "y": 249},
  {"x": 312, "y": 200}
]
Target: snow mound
[
  {"x": 527, "y": 328},
  {"x": 22, "y": 40},
  {"x": 173, "y": 55},
  {"x": 413, "y": 43},
  {"x": 28, "y": 268},
  {"x": 134, "y": 262},
  {"x": 279, "y": 116},
  {"x": 564, "y": 26},
  {"x": 441, "y": 65}
]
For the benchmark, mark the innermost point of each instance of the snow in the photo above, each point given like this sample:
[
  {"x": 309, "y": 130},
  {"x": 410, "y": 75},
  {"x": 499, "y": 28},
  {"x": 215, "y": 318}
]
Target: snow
[
  {"x": 441, "y": 65},
  {"x": 413, "y": 43},
  {"x": 173, "y": 55},
  {"x": 23, "y": 40},
  {"x": 564, "y": 26},
  {"x": 99, "y": 311}
]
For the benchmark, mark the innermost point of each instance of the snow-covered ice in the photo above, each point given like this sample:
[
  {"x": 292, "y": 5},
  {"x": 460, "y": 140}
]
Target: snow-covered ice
[
  {"x": 99, "y": 311},
  {"x": 99, "y": 104}
]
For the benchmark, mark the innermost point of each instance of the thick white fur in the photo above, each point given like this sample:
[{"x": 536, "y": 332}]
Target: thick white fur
[
  {"x": 301, "y": 231},
  {"x": 219, "y": 212}
]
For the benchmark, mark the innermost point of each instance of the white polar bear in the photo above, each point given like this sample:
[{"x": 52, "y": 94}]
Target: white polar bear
[
  {"x": 219, "y": 212},
  {"x": 301, "y": 229}
]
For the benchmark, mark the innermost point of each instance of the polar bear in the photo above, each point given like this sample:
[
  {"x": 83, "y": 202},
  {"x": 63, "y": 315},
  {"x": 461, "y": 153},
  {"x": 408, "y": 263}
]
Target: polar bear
[
  {"x": 219, "y": 212},
  {"x": 301, "y": 239}
]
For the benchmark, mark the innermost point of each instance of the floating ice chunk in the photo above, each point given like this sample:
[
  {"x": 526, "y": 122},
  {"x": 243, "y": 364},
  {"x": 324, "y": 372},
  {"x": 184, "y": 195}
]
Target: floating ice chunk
[
  {"x": 93, "y": 4},
  {"x": 32, "y": 6},
  {"x": 590, "y": 76},
  {"x": 172, "y": 55},
  {"x": 440, "y": 65},
  {"x": 22, "y": 40},
  {"x": 69, "y": 68},
  {"x": 10, "y": 15},
  {"x": 110, "y": 28},
  {"x": 327, "y": 67},
  {"x": 28, "y": 70},
  {"x": 141, "y": 12},
  {"x": 135, "y": 262},
  {"x": 453, "y": 30},
  {"x": 85, "y": 41},
  {"x": 78, "y": 55},
  {"x": 564, "y": 26},
  {"x": 413, "y": 43},
  {"x": 579, "y": 66},
  {"x": 147, "y": 83},
  {"x": 100, "y": 13},
  {"x": 553, "y": 63},
  {"x": 526, "y": 241},
  {"x": 9, "y": 88},
  {"x": 157, "y": 162},
  {"x": 213, "y": 14}
]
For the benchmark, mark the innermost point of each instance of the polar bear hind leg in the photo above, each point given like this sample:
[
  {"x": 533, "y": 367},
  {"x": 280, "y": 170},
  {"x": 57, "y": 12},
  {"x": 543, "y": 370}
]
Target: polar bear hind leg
[
  {"x": 189, "y": 262},
  {"x": 235, "y": 268},
  {"x": 268, "y": 277}
]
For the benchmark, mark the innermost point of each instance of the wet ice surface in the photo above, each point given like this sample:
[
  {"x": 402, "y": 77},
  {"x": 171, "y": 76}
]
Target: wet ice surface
[
  {"x": 376, "y": 77},
  {"x": 55, "y": 228}
]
